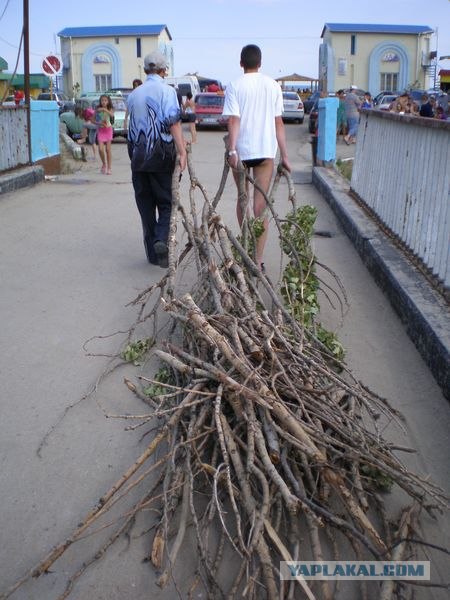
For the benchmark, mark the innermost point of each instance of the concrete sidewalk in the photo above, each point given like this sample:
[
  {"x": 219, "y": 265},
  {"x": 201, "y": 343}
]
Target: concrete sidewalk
[{"x": 71, "y": 260}]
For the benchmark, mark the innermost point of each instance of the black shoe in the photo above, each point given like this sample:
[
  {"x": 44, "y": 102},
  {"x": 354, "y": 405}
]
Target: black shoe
[{"x": 162, "y": 254}]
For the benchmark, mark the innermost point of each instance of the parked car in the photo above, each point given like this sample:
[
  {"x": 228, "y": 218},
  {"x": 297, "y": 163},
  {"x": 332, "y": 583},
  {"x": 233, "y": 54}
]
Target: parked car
[
  {"x": 378, "y": 97},
  {"x": 360, "y": 93},
  {"x": 185, "y": 84},
  {"x": 308, "y": 104},
  {"x": 208, "y": 110},
  {"x": 293, "y": 109},
  {"x": 8, "y": 101},
  {"x": 63, "y": 101},
  {"x": 119, "y": 105},
  {"x": 385, "y": 101},
  {"x": 416, "y": 95},
  {"x": 124, "y": 92}
]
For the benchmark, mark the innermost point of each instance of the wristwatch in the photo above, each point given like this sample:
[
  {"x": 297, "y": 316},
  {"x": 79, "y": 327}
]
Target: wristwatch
[{"x": 232, "y": 152}]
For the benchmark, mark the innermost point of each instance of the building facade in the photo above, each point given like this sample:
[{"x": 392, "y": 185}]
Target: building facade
[
  {"x": 96, "y": 59},
  {"x": 375, "y": 57}
]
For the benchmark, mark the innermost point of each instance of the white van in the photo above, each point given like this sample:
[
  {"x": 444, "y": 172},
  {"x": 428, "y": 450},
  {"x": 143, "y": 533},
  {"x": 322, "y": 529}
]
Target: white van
[{"x": 185, "y": 84}]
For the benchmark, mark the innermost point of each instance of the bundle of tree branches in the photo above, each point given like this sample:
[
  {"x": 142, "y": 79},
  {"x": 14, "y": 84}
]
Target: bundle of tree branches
[{"x": 265, "y": 432}]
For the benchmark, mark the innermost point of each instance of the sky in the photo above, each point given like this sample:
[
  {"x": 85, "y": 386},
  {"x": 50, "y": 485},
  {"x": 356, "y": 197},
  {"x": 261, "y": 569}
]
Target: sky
[{"x": 207, "y": 36}]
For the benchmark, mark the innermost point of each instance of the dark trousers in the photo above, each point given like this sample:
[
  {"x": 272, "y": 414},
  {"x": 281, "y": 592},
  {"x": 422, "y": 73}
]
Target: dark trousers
[{"x": 153, "y": 194}]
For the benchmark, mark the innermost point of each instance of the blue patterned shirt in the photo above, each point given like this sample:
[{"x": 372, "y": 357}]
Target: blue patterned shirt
[{"x": 153, "y": 108}]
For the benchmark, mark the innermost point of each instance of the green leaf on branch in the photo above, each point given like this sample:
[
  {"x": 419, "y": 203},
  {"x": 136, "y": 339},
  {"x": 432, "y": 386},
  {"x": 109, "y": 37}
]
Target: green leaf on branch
[
  {"x": 135, "y": 351},
  {"x": 162, "y": 376},
  {"x": 299, "y": 282}
]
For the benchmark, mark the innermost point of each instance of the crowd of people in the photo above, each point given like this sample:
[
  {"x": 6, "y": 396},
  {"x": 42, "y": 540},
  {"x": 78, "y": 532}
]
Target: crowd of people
[{"x": 350, "y": 104}]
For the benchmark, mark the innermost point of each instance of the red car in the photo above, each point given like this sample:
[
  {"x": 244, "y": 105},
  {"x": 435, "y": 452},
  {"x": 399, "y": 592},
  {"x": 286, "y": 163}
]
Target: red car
[{"x": 208, "y": 110}]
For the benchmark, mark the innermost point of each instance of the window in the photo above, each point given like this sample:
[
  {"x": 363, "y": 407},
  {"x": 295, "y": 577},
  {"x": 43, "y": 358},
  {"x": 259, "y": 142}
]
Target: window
[
  {"x": 389, "y": 81},
  {"x": 138, "y": 48},
  {"x": 210, "y": 100},
  {"x": 353, "y": 44},
  {"x": 102, "y": 83}
]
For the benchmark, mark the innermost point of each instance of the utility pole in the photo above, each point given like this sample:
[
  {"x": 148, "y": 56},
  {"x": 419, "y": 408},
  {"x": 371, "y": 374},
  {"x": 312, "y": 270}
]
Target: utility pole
[{"x": 26, "y": 68}]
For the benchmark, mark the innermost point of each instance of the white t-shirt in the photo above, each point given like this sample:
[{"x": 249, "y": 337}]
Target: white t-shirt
[{"x": 256, "y": 99}]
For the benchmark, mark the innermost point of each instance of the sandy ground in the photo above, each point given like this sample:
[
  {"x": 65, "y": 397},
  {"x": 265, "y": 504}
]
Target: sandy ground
[{"x": 71, "y": 260}]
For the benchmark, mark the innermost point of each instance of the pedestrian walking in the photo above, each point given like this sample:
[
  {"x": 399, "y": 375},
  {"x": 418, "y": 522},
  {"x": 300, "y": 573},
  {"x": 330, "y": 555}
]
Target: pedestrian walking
[
  {"x": 367, "y": 101},
  {"x": 91, "y": 126},
  {"x": 341, "y": 126},
  {"x": 254, "y": 104},
  {"x": 189, "y": 111},
  {"x": 135, "y": 83},
  {"x": 352, "y": 106},
  {"x": 155, "y": 138},
  {"x": 104, "y": 120}
]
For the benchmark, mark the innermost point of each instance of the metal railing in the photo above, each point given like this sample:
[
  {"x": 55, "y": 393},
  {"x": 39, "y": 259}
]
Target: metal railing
[{"x": 401, "y": 172}]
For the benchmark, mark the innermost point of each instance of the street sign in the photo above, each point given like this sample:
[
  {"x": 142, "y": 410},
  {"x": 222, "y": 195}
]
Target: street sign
[{"x": 51, "y": 65}]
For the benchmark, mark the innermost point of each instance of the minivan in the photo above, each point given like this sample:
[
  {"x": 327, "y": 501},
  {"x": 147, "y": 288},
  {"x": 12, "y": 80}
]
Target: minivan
[{"x": 185, "y": 84}]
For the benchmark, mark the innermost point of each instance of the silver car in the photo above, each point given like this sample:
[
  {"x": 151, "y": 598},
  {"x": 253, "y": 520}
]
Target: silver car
[
  {"x": 384, "y": 103},
  {"x": 293, "y": 109}
]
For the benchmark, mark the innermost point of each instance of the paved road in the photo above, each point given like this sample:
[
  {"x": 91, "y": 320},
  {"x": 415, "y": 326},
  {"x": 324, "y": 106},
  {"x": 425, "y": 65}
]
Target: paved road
[{"x": 71, "y": 258}]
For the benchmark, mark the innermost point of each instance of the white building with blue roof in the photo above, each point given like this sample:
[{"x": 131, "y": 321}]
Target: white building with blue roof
[
  {"x": 375, "y": 57},
  {"x": 109, "y": 57}
]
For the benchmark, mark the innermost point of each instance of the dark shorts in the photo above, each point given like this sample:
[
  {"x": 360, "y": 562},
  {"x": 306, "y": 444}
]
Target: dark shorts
[
  {"x": 191, "y": 118},
  {"x": 252, "y": 162}
]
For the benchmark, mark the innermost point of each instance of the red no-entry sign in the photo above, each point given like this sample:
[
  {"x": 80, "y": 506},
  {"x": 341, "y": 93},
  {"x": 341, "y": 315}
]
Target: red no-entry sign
[{"x": 51, "y": 65}]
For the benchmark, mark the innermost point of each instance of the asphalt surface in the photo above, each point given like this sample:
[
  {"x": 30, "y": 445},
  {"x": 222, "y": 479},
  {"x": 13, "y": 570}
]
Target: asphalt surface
[{"x": 71, "y": 259}]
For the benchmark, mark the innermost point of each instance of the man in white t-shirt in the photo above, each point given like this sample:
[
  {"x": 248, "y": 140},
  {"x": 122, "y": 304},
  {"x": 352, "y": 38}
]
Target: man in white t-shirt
[{"x": 254, "y": 104}]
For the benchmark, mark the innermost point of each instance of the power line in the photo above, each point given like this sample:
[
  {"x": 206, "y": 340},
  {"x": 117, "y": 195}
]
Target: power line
[
  {"x": 255, "y": 37},
  {"x": 4, "y": 10},
  {"x": 18, "y": 47}
]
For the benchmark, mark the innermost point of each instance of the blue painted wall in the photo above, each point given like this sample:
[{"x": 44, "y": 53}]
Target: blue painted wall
[
  {"x": 326, "y": 145},
  {"x": 44, "y": 116}
]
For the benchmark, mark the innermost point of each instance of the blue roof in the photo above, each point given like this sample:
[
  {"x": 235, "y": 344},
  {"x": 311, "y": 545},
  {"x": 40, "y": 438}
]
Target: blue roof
[
  {"x": 112, "y": 31},
  {"x": 369, "y": 28}
]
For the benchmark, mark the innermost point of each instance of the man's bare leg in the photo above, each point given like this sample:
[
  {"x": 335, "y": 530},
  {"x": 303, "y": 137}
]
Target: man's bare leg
[{"x": 262, "y": 175}]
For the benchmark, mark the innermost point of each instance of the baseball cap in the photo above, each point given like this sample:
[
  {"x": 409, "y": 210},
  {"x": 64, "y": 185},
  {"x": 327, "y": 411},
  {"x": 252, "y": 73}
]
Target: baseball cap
[
  {"x": 353, "y": 87},
  {"x": 155, "y": 59}
]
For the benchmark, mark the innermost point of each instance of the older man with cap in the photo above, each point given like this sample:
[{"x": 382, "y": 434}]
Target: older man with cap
[
  {"x": 154, "y": 139},
  {"x": 352, "y": 105}
]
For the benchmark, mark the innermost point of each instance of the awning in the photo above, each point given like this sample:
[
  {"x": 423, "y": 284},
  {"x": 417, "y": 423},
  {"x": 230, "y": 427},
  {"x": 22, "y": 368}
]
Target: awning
[
  {"x": 37, "y": 80},
  {"x": 296, "y": 77}
]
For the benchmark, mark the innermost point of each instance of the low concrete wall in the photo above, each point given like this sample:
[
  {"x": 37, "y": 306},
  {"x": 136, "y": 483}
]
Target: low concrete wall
[{"x": 19, "y": 178}]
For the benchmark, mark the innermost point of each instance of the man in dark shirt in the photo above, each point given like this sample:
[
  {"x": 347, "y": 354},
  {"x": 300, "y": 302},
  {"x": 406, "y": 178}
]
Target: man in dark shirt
[{"x": 426, "y": 110}]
